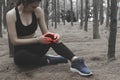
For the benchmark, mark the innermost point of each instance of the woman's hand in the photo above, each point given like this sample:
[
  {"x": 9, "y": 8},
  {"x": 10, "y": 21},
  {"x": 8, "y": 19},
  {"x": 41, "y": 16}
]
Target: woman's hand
[
  {"x": 45, "y": 40},
  {"x": 54, "y": 36}
]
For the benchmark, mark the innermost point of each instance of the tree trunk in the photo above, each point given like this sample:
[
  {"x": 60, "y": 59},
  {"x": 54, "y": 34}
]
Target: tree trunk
[
  {"x": 4, "y": 14},
  {"x": 119, "y": 13},
  {"x": 81, "y": 16},
  {"x": 101, "y": 12},
  {"x": 58, "y": 12},
  {"x": 95, "y": 20},
  {"x": 77, "y": 9},
  {"x": 71, "y": 2},
  {"x": 86, "y": 15},
  {"x": 113, "y": 31},
  {"x": 64, "y": 13},
  {"x": 52, "y": 12},
  {"x": 46, "y": 3},
  {"x": 55, "y": 3},
  {"x": 1, "y": 19},
  {"x": 108, "y": 13}
]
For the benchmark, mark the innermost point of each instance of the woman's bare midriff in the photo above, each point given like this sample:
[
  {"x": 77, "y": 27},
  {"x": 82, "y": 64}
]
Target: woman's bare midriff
[{"x": 28, "y": 36}]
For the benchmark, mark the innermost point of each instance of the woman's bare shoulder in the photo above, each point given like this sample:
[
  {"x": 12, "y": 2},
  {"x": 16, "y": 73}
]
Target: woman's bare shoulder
[
  {"x": 11, "y": 13},
  {"x": 38, "y": 11}
]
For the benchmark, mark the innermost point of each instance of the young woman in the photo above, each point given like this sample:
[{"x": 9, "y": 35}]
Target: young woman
[{"x": 30, "y": 49}]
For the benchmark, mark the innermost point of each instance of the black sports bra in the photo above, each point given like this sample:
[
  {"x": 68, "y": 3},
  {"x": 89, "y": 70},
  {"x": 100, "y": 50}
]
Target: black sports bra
[{"x": 25, "y": 30}]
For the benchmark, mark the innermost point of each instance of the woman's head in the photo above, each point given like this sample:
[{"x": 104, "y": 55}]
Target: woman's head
[
  {"x": 26, "y": 2},
  {"x": 29, "y": 5}
]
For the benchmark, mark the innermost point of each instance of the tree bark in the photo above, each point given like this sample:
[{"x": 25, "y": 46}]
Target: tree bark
[
  {"x": 1, "y": 19},
  {"x": 101, "y": 12},
  {"x": 86, "y": 15},
  {"x": 77, "y": 9},
  {"x": 81, "y": 16},
  {"x": 108, "y": 13},
  {"x": 71, "y": 2},
  {"x": 64, "y": 13},
  {"x": 4, "y": 14},
  {"x": 95, "y": 20},
  {"x": 55, "y": 3},
  {"x": 113, "y": 31},
  {"x": 52, "y": 12},
  {"x": 58, "y": 12},
  {"x": 46, "y": 3}
]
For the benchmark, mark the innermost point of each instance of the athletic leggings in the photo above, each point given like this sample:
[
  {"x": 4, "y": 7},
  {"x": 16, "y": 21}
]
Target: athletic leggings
[{"x": 34, "y": 54}]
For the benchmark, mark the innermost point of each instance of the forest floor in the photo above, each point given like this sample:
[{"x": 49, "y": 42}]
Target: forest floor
[{"x": 94, "y": 51}]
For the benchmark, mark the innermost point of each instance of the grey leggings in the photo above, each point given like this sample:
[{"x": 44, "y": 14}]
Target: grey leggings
[{"x": 34, "y": 54}]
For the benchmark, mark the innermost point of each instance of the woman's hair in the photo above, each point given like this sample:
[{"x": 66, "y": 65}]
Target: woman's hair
[{"x": 25, "y": 2}]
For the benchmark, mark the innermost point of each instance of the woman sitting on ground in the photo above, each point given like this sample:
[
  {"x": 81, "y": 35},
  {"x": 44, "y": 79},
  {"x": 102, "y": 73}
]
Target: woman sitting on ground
[{"x": 30, "y": 49}]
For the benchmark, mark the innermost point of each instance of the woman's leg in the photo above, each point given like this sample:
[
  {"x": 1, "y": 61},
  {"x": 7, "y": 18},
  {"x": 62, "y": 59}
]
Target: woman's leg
[
  {"x": 62, "y": 50},
  {"x": 77, "y": 64},
  {"x": 24, "y": 57},
  {"x": 33, "y": 54}
]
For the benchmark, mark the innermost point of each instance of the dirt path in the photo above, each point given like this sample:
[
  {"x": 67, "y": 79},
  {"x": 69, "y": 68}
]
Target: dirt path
[{"x": 81, "y": 43}]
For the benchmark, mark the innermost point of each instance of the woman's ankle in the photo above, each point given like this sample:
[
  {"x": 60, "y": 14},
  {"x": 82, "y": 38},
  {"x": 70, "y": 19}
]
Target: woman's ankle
[{"x": 73, "y": 58}]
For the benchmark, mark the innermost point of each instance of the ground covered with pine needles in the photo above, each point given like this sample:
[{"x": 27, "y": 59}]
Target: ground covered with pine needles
[{"x": 94, "y": 51}]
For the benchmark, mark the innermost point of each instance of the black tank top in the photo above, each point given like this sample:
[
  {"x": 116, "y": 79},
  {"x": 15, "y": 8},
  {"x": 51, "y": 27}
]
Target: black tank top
[{"x": 25, "y": 30}]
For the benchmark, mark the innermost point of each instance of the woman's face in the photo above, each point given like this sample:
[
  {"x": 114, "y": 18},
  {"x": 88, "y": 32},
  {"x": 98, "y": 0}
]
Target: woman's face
[{"x": 30, "y": 7}]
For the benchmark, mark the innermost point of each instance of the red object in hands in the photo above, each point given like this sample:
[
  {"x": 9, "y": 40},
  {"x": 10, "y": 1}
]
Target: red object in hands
[
  {"x": 50, "y": 36},
  {"x": 53, "y": 36}
]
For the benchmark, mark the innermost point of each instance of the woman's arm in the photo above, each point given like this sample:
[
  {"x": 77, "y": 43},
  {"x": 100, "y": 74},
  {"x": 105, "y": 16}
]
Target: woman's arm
[
  {"x": 41, "y": 20},
  {"x": 11, "y": 19}
]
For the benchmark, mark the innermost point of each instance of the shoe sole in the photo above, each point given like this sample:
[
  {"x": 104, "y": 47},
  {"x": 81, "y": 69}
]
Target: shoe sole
[{"x": 83, "y": 74}]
